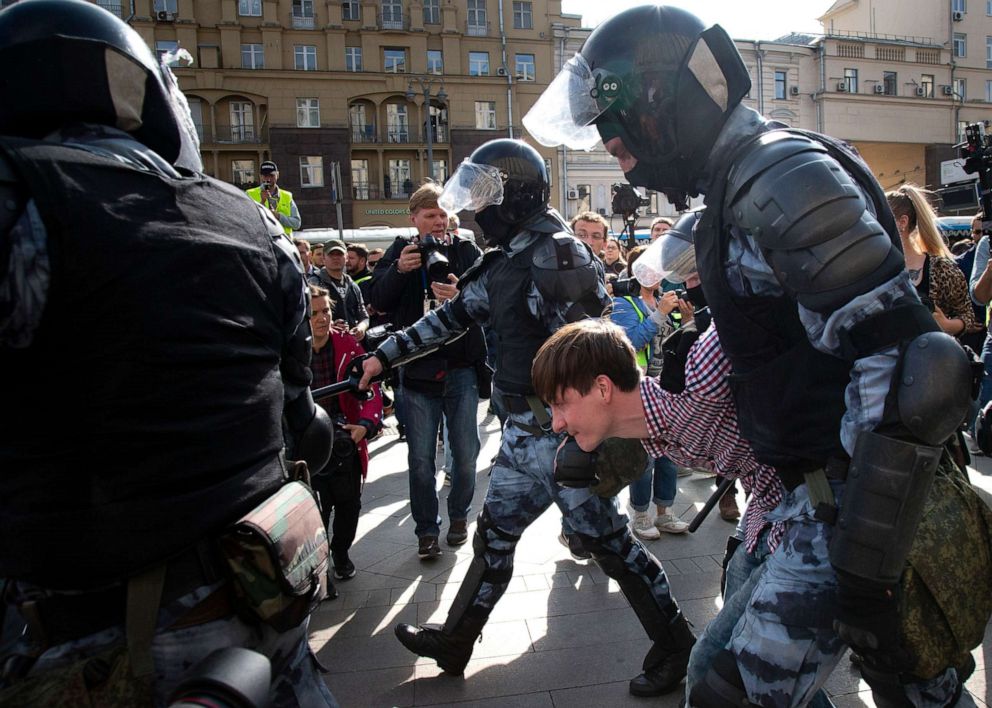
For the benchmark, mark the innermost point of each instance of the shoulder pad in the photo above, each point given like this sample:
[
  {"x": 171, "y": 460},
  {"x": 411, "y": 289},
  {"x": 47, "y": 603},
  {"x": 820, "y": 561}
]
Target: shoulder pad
[
  {"x": 479, "y": 267},
  {"x": 563, "y": 270},
  {"x": 283, "y": 243},
  {"x": 788, "y": 192},
  {"x": 13, "y": 195}
]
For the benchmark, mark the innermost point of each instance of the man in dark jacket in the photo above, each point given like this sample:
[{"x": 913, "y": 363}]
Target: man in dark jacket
[
  {"x": 444, "y": 383},
  {"x": 349, "y": 305}
]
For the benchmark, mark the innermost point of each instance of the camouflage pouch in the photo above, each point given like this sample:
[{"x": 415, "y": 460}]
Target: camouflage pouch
[
  {"x": 947, "y": 585},
  {"x": 105, "y": 679},
  {"x": 618, "y": 463},
  {"x": 278, "y": 557}
]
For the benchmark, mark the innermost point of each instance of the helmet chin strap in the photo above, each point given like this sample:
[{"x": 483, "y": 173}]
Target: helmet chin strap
[
  {"x": 651, "y": 176},
  {"x": 496, "y": 231}
]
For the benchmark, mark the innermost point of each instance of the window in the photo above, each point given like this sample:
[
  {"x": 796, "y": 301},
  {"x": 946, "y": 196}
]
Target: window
[
  {"x": 196, "y": 113},
  {"x": 350, "y": 11},
  {"x": 170, "y": 6},
  {"x": 440, "y": 171},
  {"x": 988, "y": 7},
  {"x": 890, "y": 83},
  {"x": 961, "y": 89},
  {"x": 250, "y": 8},
  {"x": 397, "y": 123},
  {"x": 362, "y": 130},
  {"x": 311, "y": 171},
  {"x": 780, "y": 84},
  {"x": 851, "y": 79},
  {"x": 988, "y": 52},
  {"x": 435, "y": 61},
  {"x": 927, "y": 83},
  {"x": 988, "y": 92},
  {"x": 353, "y": 58},
  {"x": 360, "y": 186},
  {"x": 400, "y": 184},
  {"x": 476, "y": 16},
  {"x": 392, "y": 14},
  {"x": 960, "y": 44},
  {"x": 243, "y": 172},
  {"x": 306, "y": 57},
  {"x": 303, "y": 8},
  {"x": 438, "y": 122},
  {"x": 523, "y": 15},
  {"x": 394, "y": 61},
  {"x": 478, "y": 63},
  {"x": 164, "y": 46},
  {"x": 525, "y": 67},
  {"x": 242, "y": 122},
  {"x": 432, "y": 12},
  {"x": 485, "y": 115},
  {"x": 252, "y": 56},
  {"x": 307, "y": 113},
  {"x": 959, "y": 6}
]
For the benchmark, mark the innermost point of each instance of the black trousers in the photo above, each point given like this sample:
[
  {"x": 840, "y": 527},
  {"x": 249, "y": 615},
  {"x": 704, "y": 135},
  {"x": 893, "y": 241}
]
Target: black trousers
[{"x": 339, "y": 487}]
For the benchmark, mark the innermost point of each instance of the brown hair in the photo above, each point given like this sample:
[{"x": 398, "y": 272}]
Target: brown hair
[
  {"x": 317, "y": 291},
  {"x": 425, "y": 197},
  {"x": 911, "y": 201},
  {"x": 634, "y": 254},
  {"x": 360, "y": 249},
  {"x": 661, "y": 220},
  {"x": 298, "y": 241},
  {"x": 317, "y": 247},
  {"x": 592, "y": 217},
  {"x": 579, "y": 352}
]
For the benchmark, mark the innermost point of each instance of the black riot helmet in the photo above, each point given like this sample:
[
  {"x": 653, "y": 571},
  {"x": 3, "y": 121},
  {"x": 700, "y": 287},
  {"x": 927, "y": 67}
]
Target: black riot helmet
[
  {"x": 656, "y": 78},
  {"x": 68, "y": 61},
  {"x": 505, "y": 182}
]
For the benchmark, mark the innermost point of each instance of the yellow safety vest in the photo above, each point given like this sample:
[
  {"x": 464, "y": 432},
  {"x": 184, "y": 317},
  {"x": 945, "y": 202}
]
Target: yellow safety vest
[
  {"x": 283, "y": 207},
  {"x": 642, "y": 355}
]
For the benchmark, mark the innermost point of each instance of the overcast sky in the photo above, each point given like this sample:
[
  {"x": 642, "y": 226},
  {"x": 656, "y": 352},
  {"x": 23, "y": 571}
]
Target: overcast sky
[{"x": 743, "y": 19}]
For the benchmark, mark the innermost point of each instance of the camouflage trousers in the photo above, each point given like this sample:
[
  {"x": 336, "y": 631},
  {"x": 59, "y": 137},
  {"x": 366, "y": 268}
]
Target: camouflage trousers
[
  {"x": 522, "y": 487},
  {"x": 296, "y": 682},
  {"x": 777, "y": 618}
]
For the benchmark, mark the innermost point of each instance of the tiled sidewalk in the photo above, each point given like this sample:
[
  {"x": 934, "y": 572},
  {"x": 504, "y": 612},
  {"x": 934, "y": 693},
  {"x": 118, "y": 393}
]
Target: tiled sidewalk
[{"x": 563, "y": 635}]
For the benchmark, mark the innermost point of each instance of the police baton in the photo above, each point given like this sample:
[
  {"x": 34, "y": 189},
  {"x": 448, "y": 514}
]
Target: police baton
[{"x": 714, "y": 499}]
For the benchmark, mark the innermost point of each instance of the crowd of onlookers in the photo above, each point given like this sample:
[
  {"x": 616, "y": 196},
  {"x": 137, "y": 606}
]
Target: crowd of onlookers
[{"x": 435, "y": 399}]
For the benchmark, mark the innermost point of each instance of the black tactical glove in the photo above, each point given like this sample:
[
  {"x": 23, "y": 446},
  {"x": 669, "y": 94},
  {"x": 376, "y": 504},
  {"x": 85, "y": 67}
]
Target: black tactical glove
[
  {"x": 868, "y": 621},
  {"x": 574, "y": 467}
]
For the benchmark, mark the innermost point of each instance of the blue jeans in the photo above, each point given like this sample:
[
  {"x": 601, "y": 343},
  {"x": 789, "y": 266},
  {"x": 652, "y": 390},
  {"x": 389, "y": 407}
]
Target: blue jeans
[
  {"x": 664, "y": 487},
  {"x": 985, "y": 393},
  {"x": 459, "y": 404}
]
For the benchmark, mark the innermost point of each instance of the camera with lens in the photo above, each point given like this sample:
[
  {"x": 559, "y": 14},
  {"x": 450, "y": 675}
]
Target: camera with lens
[
  {"x": 377, "y": 335},
  {"x": 976, "y": 151},
  {"x": 626, "y": 287},
  {"x": 343, "y": 446},
  {"x": 627, "y": 200},
  {"x": 436, "y": 264}
]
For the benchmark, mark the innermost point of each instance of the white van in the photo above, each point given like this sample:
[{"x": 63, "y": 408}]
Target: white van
[{"x": 370, "y": 236}]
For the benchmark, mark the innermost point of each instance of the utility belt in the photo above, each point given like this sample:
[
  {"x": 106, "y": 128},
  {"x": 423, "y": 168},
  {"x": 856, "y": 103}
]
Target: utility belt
[
  {"x": 515, "y": 403},
  {"x": 817, "y": 483}
]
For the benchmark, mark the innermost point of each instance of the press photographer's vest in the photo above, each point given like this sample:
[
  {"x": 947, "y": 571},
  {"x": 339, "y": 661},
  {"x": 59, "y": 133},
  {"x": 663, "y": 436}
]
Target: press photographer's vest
[
  {"x": 284, "y": 206},
  {"x": 147, "y": 411},
  {"x": 789, "y": 395}
]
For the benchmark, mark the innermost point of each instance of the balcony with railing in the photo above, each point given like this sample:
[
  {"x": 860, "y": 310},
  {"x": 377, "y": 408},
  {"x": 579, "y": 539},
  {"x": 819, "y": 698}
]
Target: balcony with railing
[
  {"x": 303, "y": 21},
  {"x": 476, "y": 29},
  {"x": 365, "y": 191},
  {"x": 114, "y": 8},
  {"x": 364, "y": 134},
  {"x": 439, "y": 134},
  {"x": 399, "y": 135},
  {"x": 393, "y": 20},
  {"x": 238, "y": 134}
]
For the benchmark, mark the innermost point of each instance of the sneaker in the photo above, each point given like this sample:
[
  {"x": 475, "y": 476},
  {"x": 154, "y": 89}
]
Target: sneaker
[
  {"x": 457, "y": 533},
  {"x": 574, "y": 546},
  {"x": 669, "y": 523},
  {"x": 643, "y": 527},
  {"x": 344, "y": 569},
  {"x": 428, "y": 548},
  {"x": 728, "y": 507}
]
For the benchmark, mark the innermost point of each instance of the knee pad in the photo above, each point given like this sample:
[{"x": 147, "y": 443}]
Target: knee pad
[{"x": 721, "y": 687}]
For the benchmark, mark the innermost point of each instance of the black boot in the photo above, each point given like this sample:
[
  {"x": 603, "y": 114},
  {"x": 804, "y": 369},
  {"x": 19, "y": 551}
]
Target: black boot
[
  {"x": 451, "y": 650},
  {"x": 666, "y": 662}
]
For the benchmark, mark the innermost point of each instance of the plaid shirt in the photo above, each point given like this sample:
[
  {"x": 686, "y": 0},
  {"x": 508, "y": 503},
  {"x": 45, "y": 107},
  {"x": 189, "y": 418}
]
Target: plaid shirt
[{"x": 698, "y": 428}]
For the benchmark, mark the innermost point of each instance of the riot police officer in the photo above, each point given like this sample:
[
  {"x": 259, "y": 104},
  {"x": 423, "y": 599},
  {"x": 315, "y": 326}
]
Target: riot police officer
[
  {"x": 153, "y": 336},
  {"x": 537, "y": 279},
  {"x": 801, "y": 267}
]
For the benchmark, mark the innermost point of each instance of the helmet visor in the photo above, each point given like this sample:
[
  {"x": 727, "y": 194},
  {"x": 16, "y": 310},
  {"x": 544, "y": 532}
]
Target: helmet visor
[
  {"x": 473, "y": 187},
  {"x": 565, "y": 112},
  {"x": 669, "y": 258}
]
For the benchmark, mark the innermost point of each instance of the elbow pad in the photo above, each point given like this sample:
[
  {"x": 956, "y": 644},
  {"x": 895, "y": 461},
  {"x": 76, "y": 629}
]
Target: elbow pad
[{"x": 312, "y": 431}]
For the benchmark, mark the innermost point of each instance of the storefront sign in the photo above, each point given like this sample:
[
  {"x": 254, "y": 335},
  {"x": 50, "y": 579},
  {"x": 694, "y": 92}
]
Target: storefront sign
[{"x": 386, "y": 212}]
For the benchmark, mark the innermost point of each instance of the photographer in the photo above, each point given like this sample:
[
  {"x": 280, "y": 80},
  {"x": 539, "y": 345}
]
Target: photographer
[
  {"x": 413, "y": 277},
  {"x": 339, "y": 483}
]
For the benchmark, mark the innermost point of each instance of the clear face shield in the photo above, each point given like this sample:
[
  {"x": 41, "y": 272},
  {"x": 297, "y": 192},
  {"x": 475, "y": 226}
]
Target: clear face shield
[
  {"x": 189, "y": 154},
  {"x": 670, "y": 258},
  {"x": 472, "y": 187},
  {"x": 565, "y": 112}
]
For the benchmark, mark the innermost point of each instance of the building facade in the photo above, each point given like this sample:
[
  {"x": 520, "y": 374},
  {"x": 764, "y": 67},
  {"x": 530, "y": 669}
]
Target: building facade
[{"x": 384, "y": 94}]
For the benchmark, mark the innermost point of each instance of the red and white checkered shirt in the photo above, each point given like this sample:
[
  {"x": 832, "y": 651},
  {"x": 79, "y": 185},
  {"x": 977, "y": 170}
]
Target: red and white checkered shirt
[{"x": 698, "y": 428}]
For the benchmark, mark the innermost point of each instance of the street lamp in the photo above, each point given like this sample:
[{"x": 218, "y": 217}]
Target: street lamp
[{"x": 425, "y": 85}]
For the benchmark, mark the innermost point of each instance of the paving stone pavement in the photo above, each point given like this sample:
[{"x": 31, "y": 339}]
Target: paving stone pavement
[{"x": 563, "y": 635}]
